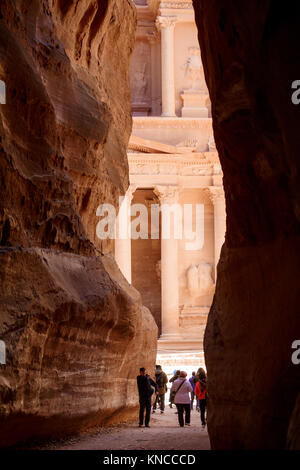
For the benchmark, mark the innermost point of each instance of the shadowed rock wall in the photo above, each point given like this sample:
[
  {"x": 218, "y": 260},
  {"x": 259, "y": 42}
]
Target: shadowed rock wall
[
  {"x": 75, "y": 331},
  {"x": 251, "y": 57}
]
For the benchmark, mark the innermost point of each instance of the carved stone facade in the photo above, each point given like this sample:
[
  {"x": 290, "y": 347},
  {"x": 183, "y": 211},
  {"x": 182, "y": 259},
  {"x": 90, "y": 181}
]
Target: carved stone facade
[
  {"x": 165, "y": 82},
  {"x": 173, "y": 160}
]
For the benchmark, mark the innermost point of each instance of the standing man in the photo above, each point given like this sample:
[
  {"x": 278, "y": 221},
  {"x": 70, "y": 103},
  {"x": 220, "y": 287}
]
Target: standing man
[
  {"x": 161, "y": 381},
  {"x": 145, "y": 384}
]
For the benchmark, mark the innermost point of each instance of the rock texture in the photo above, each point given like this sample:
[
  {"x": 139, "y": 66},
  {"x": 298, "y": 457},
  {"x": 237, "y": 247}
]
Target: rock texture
[
  {"x": 75, "y": 331},
  {"x": 251, "y": 58}
]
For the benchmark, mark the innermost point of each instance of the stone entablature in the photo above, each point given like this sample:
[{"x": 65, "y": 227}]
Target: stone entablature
[
  {"x": 158, "y": 164},
  {"x": 183, "y": 9},
  {"x": 176, "y": 4},
  {"x": 157, "y": 6}
]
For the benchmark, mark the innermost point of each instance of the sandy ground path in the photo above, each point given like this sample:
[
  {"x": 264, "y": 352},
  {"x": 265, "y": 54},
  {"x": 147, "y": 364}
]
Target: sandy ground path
[{"x": 164, "y": 434}]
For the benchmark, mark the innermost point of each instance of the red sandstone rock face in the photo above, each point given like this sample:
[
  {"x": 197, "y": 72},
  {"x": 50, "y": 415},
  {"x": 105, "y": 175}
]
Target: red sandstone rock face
[
  {"x": 251, "y": 58},
  {"x": 76, "y": 332}
]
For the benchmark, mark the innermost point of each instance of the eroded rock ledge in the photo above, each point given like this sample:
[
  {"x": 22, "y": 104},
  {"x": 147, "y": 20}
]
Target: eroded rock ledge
[
  {"x": 250, "y": 55},
  {"x": 75, "y": 331}
]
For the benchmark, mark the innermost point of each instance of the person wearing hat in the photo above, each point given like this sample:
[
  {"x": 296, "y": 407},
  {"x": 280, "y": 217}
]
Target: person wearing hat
[{"x": 161, "y": 382}]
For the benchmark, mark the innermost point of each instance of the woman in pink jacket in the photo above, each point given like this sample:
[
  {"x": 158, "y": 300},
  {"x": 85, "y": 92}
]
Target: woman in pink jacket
[{"x": 183, "y": 390}]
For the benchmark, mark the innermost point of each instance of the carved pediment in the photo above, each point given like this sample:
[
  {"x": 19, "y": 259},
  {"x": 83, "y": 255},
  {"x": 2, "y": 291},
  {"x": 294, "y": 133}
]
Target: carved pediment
[{"x": 152, "y": 146}]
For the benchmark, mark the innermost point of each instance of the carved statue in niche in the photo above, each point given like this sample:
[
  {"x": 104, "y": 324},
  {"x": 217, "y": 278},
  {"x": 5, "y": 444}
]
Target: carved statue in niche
[
  {"x": 205, "y": 278},
  {"x": 193, "y": 281},
  {"x": 199, "y": 279},
  {"x": 158, "y": 269},
  {"x": 194, "y": 70},
  {"x": 140, "y": 74},
  {"x": 195, "y": 98}
]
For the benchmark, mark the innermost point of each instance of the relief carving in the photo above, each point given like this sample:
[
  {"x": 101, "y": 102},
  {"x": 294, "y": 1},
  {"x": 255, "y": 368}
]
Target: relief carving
[
  {"x": 205, "y": 278},
  {"x": 158, "y": 269},
  {"x": 193, "y": 67},
  {"x": 140, "y": 74},
  {"x": 199, "y": 279},
  {"x": 194, "y": 70}
]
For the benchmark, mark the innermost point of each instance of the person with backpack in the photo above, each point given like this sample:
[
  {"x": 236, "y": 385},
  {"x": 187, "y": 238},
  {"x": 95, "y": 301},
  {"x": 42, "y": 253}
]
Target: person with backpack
[
  {"x": 161, "y": 382},
  {"x": 201, "y": 393},
  {"x": 145, "y": 387},
  {"x": 172, "y": 379},
  {"x": 181, "y": 390}
]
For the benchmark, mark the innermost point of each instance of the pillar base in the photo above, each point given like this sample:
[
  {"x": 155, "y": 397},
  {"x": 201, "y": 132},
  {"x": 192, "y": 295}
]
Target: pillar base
[
  {"x": 168, "y": 115},
  {"x": 170, "y": 337},
  {"x": 194, "y": 104}
]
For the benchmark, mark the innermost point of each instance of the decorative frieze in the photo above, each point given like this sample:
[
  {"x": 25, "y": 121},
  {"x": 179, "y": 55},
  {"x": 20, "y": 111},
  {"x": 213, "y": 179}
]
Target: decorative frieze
[
  {"x": 177, "y": 4},
  {"x": 141, "y": 122},
  {"x": 184, "y": 165}
]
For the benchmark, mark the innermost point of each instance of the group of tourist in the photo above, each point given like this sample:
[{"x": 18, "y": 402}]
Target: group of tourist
[{"x": 182, "y": 393}]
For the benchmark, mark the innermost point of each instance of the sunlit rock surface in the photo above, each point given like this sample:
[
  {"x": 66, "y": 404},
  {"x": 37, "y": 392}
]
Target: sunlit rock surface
[
  {"x": 75, "y": 331},
  {"x": 251, "y": 57}
]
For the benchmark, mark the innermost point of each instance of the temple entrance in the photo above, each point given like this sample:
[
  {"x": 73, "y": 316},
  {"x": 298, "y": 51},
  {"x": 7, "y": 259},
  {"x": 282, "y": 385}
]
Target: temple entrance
[{"x": 146, "y": 260}]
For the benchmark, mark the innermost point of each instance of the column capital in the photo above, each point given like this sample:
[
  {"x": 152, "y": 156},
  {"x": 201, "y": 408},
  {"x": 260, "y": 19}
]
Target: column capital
[
  {"x": 167, "y": 194},
  {"x": 163, "y": 22},
  {"x": 216, "y": 194},
  {"x": 130, "y": 191}
]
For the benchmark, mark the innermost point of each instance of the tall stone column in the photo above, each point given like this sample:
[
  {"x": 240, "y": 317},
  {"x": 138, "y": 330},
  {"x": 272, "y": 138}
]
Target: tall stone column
[
  {"x": 153, "y": 39},
  {"x": 166, "y": 25},
  {"x": 169, "y": 271},
  {"x": 123, "y": 235},
  {"x": 218, "y": 200}
]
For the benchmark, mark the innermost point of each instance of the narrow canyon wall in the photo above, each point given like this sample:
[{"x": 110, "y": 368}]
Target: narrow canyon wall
[
  {"x": 251, "y": 57},
  {"x": 76, "y": 333}
]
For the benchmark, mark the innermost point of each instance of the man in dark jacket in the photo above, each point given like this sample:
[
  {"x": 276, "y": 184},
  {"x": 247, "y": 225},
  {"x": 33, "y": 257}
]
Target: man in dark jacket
[
  {"x": 145, "y": 384},
  {"x": 192, "y": 381}
]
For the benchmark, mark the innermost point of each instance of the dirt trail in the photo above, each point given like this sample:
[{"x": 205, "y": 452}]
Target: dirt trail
[{"x": 164, "y": 434}]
